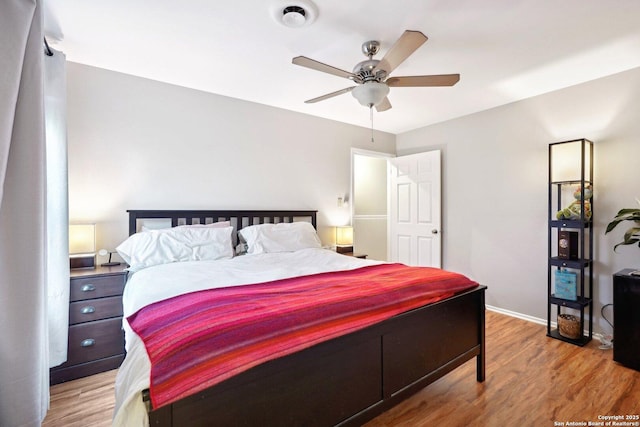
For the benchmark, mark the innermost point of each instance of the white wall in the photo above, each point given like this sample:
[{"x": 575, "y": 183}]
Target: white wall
[
  {"x": 495, "y": 186},
  {"x": 140, "y": 144}
]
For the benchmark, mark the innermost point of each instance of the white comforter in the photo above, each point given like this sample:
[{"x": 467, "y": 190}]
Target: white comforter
[{"x": 168, "y": 280}]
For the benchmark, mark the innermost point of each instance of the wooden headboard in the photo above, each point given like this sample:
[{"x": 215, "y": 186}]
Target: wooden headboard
[{"x": 238, "y": 219}]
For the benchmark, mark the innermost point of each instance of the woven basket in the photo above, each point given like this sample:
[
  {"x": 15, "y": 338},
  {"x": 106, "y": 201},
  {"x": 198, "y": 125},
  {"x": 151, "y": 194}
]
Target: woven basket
[{"x": 569, "y": 326}]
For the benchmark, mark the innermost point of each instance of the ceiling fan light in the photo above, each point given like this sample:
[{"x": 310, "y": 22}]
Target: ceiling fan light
[
  {"x": 293, "y": 16},
  {"x": 294, "y": 13},
  {"x": 370, "y": 94}
]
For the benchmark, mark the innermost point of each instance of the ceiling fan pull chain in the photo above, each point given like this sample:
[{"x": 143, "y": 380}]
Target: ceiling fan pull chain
[{"x": 371, "y": 114}]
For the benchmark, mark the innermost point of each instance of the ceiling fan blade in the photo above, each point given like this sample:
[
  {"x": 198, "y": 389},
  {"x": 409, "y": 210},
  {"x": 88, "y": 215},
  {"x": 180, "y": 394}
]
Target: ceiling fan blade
[
  {"x": 303, "y": 61},
  {"x": 423, "y": 81},
  {"x": 408, "y": 42},
  {"x": 384, "y": 105},
  {"x": 329, "y": 95}
]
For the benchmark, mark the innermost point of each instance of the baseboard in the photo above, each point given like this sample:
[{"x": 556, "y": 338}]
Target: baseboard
[
  {"x": 532, "y": 319},
  {"x": 518, "y": 315}
]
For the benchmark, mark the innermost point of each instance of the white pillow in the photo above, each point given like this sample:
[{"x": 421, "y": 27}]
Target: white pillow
[
  {"x": 282, "y": 237},
  {"x": 149, "y": 248}
]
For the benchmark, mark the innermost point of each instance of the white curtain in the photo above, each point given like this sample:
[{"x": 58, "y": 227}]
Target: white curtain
[
  {"x": 24, "y": 373},
  {"x": 57, "y": 206}
]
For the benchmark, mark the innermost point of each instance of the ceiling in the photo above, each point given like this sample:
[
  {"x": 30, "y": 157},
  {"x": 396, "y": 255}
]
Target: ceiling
[{"x": 504, "y": 50}]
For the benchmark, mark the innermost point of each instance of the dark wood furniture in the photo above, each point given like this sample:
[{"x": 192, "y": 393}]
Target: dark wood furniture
[
  {"x": 626, "y": 318},
  {"x": 238, "y": 218},
  {"x": 344, "y": 249},
  {"x": 96, "y": 339},
  {"x": 356, "y": 255},
  {"x": 344, "y": 381},
  {"x": 561, "y": 195}
]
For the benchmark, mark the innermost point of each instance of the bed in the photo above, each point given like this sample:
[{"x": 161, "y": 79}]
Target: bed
[{"x": 346, "y": 380}]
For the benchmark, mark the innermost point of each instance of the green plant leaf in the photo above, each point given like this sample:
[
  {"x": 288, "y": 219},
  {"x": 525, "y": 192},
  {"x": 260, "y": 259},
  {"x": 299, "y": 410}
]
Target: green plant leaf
[
  {"x": 630, "y": 242},
  {"x": 631, "y": 233},
  {"x": 627, "y": 211},
  {"x": 613, "y": 224}
]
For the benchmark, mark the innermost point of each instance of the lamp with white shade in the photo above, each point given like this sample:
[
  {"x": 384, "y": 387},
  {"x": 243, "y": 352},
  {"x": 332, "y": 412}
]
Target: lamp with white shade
[
  {"x": 344, "y": 239},
  {"x": 82, "y": 245},
  {"x": 370, "y": 94}
]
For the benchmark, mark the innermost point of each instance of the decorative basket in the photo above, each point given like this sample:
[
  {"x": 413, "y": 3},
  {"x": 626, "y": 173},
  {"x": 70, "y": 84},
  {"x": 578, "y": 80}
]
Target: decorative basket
[{"x": 569, "y": 326}]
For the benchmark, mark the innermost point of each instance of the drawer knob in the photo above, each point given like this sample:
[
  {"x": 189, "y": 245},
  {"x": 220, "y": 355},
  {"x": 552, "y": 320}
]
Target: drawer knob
[
  {"x": 88, "y": 342},
  {"x": 88, "y": 309},
  {"x": 88, "y": 288}
]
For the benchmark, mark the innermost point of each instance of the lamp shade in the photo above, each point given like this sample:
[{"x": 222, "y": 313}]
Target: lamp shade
[
  {"x": 82, "y": 239},
  {"x": 370, "y": 94},
  {"x": 566, "y": 160},
  {"x": 82, "y": 245},
  {"x": 344, "y": 236}
]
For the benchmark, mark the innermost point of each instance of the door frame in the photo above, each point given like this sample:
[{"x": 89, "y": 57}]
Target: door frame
[{"x": 367, "y": 153}]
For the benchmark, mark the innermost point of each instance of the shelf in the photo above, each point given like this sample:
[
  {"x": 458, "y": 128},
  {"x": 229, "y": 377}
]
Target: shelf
[
  {"x": 569, "y": 223},
  {"x": 577, "y": 264},
  {"x": 572, "y": 182},
  {"x": 582, "y": 341},
  {"x": 578, "y": 304},
  {"x": 570, "y": 170}
]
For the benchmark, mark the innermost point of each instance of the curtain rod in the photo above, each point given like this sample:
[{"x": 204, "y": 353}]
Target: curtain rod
[{"x": 47, "y": 49}]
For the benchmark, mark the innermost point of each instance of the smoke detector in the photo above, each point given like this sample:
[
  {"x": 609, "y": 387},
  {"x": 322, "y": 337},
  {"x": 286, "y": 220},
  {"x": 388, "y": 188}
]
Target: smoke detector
[{"x": 295, "y": 13}]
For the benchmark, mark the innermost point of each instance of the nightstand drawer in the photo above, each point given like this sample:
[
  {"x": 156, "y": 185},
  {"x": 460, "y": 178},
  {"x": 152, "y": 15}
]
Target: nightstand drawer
[
  {"x": 95, "y": 340},
  {"x": 95, "y": 309},
  {"x": 96, "y": 287}
]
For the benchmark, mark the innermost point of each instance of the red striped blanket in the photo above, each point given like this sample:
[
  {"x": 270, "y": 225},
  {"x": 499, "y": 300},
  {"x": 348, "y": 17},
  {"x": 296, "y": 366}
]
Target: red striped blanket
[{"x": 199, "y": 339}]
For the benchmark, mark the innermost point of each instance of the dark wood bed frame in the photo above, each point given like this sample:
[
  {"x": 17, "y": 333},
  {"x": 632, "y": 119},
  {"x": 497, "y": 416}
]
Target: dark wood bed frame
[{"x": 345, "y": 381}]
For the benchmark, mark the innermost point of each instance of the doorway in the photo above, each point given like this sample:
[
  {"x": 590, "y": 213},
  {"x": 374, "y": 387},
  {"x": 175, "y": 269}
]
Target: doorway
[
  {"x": 395, "y": 206},
  {"x": 369, "y": 216}
]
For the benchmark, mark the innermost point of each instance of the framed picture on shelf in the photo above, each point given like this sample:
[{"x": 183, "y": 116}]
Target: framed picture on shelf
[{"x": 566, "y": 285}]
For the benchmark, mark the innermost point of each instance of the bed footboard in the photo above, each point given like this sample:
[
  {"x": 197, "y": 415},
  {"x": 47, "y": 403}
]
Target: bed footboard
[{"x": 348, "y": 380}]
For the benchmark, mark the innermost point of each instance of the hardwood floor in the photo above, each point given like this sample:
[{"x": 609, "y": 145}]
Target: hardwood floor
[
  {"x": 531, "y": 380},
  {"x": 86, "y": 402}
]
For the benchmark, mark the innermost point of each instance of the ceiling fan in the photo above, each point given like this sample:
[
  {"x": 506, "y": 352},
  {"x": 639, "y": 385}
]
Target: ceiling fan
[{"x": 372, "y": 75}]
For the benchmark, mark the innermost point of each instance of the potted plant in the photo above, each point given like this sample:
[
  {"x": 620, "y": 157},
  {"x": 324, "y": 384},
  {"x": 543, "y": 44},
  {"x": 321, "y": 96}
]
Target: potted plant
[{"x": 632, "y": 235}]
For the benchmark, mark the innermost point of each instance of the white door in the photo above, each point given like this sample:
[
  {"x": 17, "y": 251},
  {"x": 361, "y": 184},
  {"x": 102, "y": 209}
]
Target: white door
[{"x": 414, "y": 209}]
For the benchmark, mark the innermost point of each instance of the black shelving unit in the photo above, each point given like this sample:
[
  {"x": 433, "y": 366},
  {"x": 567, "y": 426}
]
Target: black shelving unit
[{"x": 561, "y": 189}]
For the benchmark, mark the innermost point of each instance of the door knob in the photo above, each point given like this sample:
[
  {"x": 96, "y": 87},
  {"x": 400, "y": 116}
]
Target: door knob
[{"x": 434, "y": 231}]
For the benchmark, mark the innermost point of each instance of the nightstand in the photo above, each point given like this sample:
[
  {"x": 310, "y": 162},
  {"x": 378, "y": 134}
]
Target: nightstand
[
  {"x": 355, "y": 255},
  {"x": 96, "y": 339}
]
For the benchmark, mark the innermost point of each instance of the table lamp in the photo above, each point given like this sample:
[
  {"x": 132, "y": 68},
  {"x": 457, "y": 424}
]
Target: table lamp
[
  {"x": 82, "y": 245},
  {"x": 344, "y": 239}
]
